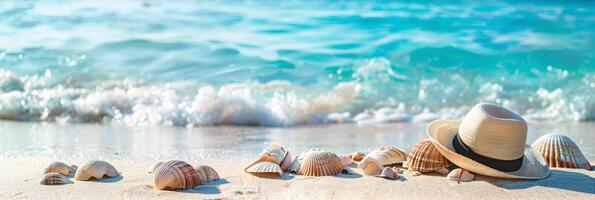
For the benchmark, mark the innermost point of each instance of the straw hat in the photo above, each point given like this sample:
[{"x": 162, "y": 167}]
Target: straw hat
[{"x": 490, "y": 140}]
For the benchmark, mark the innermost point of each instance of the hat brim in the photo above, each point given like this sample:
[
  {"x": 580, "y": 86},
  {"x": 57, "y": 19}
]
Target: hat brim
[{"x": 442, "y": 133}]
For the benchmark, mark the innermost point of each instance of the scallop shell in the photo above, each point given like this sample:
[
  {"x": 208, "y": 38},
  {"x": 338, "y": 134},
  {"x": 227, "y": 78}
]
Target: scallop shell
[
  {"x": 175, "y": 174},
  {"x": 54, "y": 178},
  {"x": 356, "y": 156},
  {"x": 424, "y": 157},
  {"x": 295, "y": 165},
  {"x": 61, "y": 168},
  {"x": 153, "y": 167},
  {"x": 561, "y": 152},
  {"x": 265, "y": 168},
  {"x": 95, "y": 169},
  {"x": 388, "y": 173},
  {"x": 273, "y": 153},
  {"x": 206, "y": 173},
  {"x": 460, "y": 175},
  {"x": 320, "y": 163},
  {"x": 373, "y": 163}
]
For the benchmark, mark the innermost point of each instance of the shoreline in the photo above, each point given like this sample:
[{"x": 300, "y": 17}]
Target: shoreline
[{"x": 22, "y": 173}]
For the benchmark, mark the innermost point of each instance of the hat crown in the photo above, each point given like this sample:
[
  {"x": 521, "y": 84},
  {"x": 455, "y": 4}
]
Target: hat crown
[{"x": 494, "y": 131}]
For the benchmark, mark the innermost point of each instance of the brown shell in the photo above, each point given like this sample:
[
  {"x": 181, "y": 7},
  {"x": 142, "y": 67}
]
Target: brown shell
[
  {"x": 60, "y": 167},
  {"x": 54, "y": 178},
  {"x": 96, "y": 169},
  {"x": 206, "y": 173},
  {"x": 374, "y": 162},
  {"x": 320, "y": 163},
  {"x": 174, "y": 175},
  {"x": 356, "y": 156},
  {"x": 424, "y": 157},
  {"x": 560, "y": 151}
]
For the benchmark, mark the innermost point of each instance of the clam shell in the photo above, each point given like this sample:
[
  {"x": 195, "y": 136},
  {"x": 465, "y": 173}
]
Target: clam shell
[
  {"x": 273, "y": 153},
  {"x": 265, "y": 168},
  {"x": 206, "y": 173},
  {"x": 460, "y": 175},
  {"x": 424, "y": 157},
  {"x": 320, "y": 163},
  {"x": 153, "y": 167},
  {"x": 95, "y": 169},
  {"x": 388, "y": 173},
  {"x": 175, "y": 174},
  {"x": 60, "y": 167},
  {"x": 560, "y": 151},
  {"x": 356, "y": 156},
  {"x": 373, "y": 163},
  {"x": 54, "y": 178}
]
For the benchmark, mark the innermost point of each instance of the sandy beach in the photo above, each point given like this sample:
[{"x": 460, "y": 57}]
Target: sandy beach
[{"x": 20, "y": 178}]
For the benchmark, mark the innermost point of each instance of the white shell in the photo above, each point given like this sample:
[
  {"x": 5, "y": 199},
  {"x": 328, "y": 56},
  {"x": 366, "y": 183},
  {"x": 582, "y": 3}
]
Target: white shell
[
  {"x": 320, "y": 163},
  {"x": 346, "y": 160},
  {"x": 560, "y": 151},
  {"x": 95, "y": 169},
  {"x": 153, "y": 167},
  {"x": 265, "y": 168},
  {"x": 460, "y": 175},
  {"x": 273, "y": 153},
  {"x": 373, "y": 163},
  {"x": 206, "y": 173},
  {"x": 54, "y": 178},
  {"x": 295, "y": 165},
  {"x": 388, "y": 173},
  {"x": 60, "y": 167},
  {"x": 175, "y": 174}
]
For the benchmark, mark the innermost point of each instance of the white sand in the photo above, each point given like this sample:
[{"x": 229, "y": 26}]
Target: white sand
[{"x": 19, "y": 179}]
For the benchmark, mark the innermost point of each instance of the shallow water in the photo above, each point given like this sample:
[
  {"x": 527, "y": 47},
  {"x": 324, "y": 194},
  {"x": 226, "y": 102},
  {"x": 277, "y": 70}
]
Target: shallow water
[
  {"x": 89, "y": 141},
  {"x": 271, "y": 63}
]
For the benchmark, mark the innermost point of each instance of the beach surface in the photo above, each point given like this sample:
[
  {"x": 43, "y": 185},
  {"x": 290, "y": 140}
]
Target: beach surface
[{"x": 27, "y": 148}]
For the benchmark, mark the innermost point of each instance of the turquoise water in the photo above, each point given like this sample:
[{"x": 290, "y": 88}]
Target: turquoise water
[{"x": 277, "y": 63}]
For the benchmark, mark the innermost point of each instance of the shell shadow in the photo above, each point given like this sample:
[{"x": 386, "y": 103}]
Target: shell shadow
[
  {"x": 350, "y": 176},
  {"x": 217, "y": 182},
  {"x": 110, "y": 179},
  {"x": 204, "y": 189},
  {"x": 286, "y": 176},
  {"x": 565, "y": 180}
]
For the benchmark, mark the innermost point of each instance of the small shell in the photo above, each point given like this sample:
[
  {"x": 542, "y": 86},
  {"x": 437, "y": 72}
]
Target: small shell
[
  {"x": 286, "y": 163},
  {"x": 265, "y": 168},
  {"x": 357, "y": 156},
  {"x": 153, "y": 167},
  {"x": 388, "y": 173},
  {"x": 295, "y": 165},
  {"x": 373, "y": 163},
  {"x": 346, "y": 160},
  {"x": 320, "y": 163},
  {"x": 273, "y": 153},
  {"x": 54, "y": 178},
  {"x": 424, "y": 157},
  {"x": 206, "y": 173},
  {"x": 561, "y": 152},
  {"x": 60, "y": 167},
  {"x": 95, "y": 169},
  {"x": 174, "y": 174},
  {"x": 460, "y": 175}
]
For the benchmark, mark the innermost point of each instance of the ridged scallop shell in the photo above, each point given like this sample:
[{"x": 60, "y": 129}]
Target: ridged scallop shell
[
  {"x": 373, "y": 163},
  {"x": 273, "y": 153},
  {"x": 460, "y": 175},
  {"x": 424, "y": 157},
  {"x": 356, "y": 156},
  {"x": 95, "y": 169},
  {"x": 54, "y": 178},
  {"x": 153, "y": 167},
  {"x": 174, "y": 175},
  {"x": 320, "y": 163},
  {"x": 206, "y": 173},
  {"x": 561, "y": 152},
  {"x": 60, "y": 167},
  {"x": 295, "y": 165},
  {"x": 265, "y": 168}
]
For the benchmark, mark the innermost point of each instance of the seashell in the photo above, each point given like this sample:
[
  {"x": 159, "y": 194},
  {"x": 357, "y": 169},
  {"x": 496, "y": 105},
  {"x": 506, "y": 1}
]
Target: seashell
[
  {"x": 560, "y": 151},
  {"x": 424, "y": 157},
  {"x": 60, "y": 167},
  {"x": 273, "y": 153},
  {"x": 54, "y": 178},
  {"x": 460, "y": 175},
  {"x": 357, "y": 156},
  {"x": 175, "y": 174},
  {"x": 95, "y": 169},
  {"x": 388, "y": 173},
  {"x": 265, "y": 168},
  {"x": 286, "y": 163},
  {"x": 346, "y": 160},
  {"x": 397, "y": 170},
  {"x": 206, "y": 173},
  {"x": 373, "y": 163},
  {"x": 320, "y": 163},
  {"x": 347, "y": 170},
  {"x": 153, "y": 167},
  {"x": 295, "y": 165}
]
